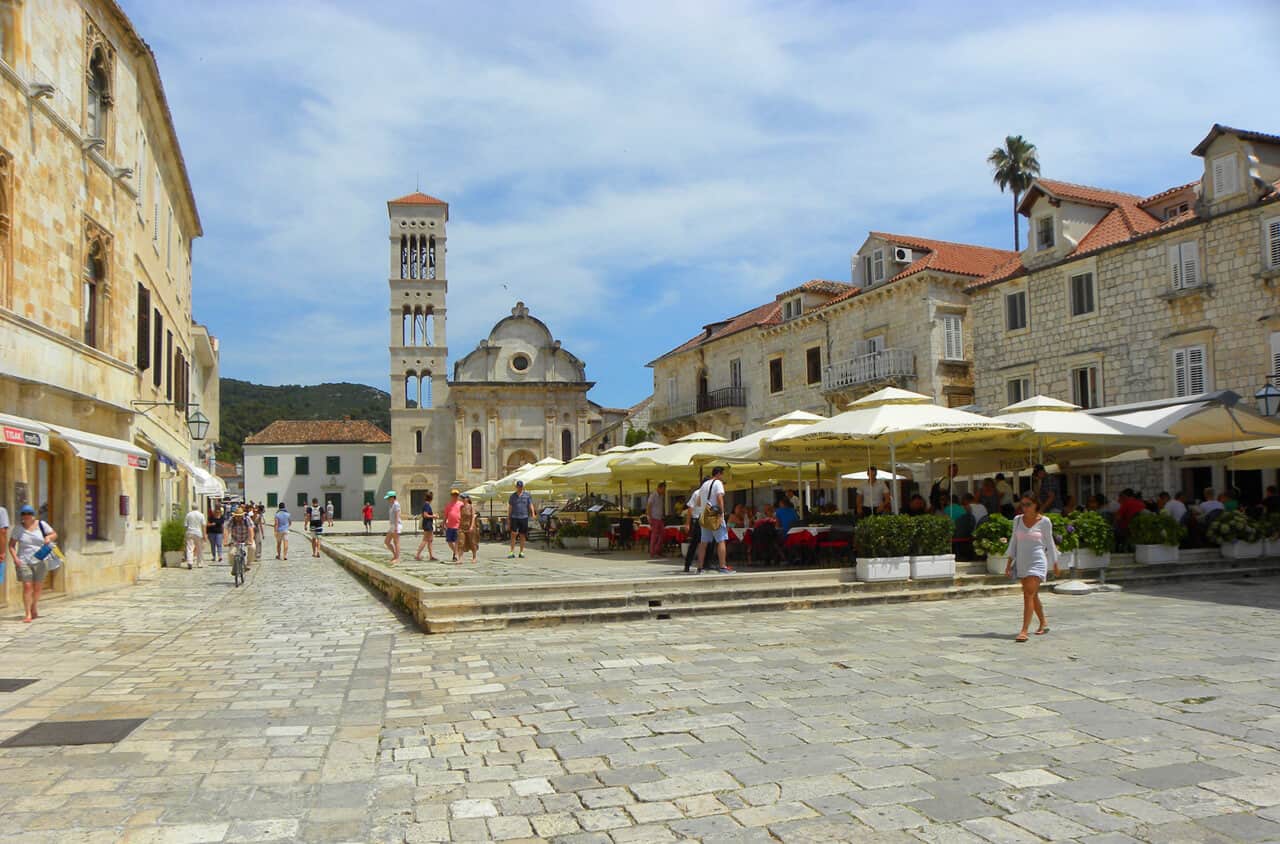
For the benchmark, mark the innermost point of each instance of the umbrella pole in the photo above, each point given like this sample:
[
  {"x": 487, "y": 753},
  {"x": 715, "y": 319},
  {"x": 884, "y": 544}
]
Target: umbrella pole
[
  {"x": 800, "y": 487},
  {"x": 893, "y": 472}
]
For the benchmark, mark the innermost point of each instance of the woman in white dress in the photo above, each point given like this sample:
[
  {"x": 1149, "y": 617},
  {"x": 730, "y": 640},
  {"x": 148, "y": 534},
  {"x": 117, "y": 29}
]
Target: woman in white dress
[{"x": 1031, "y": 551}]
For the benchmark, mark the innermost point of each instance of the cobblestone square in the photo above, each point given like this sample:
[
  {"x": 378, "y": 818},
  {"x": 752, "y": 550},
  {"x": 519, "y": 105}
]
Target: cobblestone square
[{"x": 300, "y": 708}]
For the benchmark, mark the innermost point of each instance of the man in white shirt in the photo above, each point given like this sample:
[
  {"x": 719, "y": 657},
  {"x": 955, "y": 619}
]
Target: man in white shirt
[
  {"x": 1175, "y": 507},
  {"x": 1210, "y": 502},
  {"x": 711, "y": 494},
  {"x": 655, "y": 509},
  {"x": 196, "y": 535},
  {"x": 873, "y": 495},
  {"x": 392, "y": 539}
]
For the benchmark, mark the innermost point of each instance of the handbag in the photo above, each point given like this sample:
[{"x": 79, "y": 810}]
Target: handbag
[
  {"x": 711, "y": 519},
  {"x": 54, "y": 556}
]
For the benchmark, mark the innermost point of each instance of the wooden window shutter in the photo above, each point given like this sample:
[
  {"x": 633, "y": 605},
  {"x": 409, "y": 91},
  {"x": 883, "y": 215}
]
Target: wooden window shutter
[
  {"x": 1175, "y": 267},
  {"x": 1196, "y": 381},
  {"x": 1190, "y": 264},
  {"x": 1273, "y": 242},
  {"x": 1180, "y": 372}
]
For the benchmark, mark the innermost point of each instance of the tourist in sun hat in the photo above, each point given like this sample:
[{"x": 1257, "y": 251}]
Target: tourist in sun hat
[
  {"x": 392, "y": 539},
  {"x": 31, "y": 548}
]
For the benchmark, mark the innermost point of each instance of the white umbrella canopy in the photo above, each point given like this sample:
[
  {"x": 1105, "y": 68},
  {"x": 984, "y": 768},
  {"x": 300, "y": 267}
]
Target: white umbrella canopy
[
  {"x": 900, "y": 421},
  {"x": 676, "y": 461},
  {"x": 1058, "y": 425},
  {"x": 531, "y": 474},
  {"x": 882, "y": 476},
  {"x": 1265, "y": 457},
  {"x": 585, "y": 469},
  {"x": 750, "y": 448}
]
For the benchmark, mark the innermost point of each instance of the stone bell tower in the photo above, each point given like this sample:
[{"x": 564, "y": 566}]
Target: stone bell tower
[{"x": 422, "y": 426}]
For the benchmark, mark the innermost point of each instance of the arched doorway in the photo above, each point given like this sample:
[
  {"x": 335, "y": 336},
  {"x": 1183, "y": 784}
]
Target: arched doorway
[{"x": 518, "y": 458}]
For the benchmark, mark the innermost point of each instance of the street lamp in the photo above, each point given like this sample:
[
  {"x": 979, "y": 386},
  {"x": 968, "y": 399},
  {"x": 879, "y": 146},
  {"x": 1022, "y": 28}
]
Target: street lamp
[
  {"x": 1268, "y": 399},
  {"x": 198, "y": 425}
]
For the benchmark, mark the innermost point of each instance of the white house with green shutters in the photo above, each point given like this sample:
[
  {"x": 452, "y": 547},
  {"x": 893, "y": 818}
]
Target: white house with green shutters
[{"x": 346, "y": 462}]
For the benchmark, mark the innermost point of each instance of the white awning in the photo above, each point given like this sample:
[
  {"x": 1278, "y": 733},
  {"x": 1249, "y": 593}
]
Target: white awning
[
  {"x": 25, "y": 432},
  {"x": 207, "y": 484},
  {"x": 1219, "y": 420},
  {"x": 102, "y": 449}
]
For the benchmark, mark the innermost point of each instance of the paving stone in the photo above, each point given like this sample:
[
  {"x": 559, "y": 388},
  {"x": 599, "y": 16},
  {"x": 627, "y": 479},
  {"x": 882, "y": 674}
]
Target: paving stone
[
  {"x": 1176, "y": 776},
  {"x": 1243, "y": 827},
  {"x": 1029, "y": 778},
  {"x": 882, "y": 818}
]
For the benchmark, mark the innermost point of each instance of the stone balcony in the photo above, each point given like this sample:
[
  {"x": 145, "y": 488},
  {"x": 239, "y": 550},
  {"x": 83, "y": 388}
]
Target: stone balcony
[{"x": 884, "y": 365}]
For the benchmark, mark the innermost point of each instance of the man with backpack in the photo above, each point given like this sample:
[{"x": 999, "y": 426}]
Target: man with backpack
[
  {"x": 714, "y": 527},
  {"x": 315, "y": 521}
]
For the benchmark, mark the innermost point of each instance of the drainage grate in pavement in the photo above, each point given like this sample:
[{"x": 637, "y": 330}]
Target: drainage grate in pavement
[
  {"x": 12, "y": 685},
  {"x": 54, "y": 733}
]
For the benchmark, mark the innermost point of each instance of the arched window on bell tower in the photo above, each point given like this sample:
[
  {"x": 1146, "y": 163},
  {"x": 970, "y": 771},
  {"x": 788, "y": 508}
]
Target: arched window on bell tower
[
  {"x": 406, "y": 326},
  {"x": 404, "y": 256},
  {"x": 431, "y": 257},
  {"x": 411, "y": 389},
  {"x": 424, "y": 390}
]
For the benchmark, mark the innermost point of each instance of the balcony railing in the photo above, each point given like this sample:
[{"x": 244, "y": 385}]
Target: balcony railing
[
  {"x": 725, "y": 397},
  {"x": 865, "y": 369}
]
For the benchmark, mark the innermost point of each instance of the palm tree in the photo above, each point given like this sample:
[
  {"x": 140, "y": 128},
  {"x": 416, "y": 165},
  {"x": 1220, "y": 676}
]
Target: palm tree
[{"x": 1015, "y": 167}]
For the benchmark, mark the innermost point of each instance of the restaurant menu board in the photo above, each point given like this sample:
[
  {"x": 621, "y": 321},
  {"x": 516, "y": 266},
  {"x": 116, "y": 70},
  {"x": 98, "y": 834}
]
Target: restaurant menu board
[{"x": 91, "y": 511}]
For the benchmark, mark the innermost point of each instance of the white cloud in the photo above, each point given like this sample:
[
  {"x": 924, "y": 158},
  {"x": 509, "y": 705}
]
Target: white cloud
[{"x": 688, "y": 159}]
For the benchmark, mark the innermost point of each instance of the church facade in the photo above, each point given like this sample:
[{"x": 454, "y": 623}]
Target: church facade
[{"x": 518, "y": 397}]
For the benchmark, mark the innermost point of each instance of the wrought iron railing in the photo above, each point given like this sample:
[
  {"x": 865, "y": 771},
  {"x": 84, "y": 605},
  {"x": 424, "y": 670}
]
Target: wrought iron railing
[{"x": 724, "y": 397}]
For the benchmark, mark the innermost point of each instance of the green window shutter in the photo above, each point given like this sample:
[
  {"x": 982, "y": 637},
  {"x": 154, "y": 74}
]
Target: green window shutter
[
  {"x": 369, "y": 494},
  {"x": 333, "y": 465},
  {"x": 302, "y": 465},
  {"x": 272, "y": 499},
  {"x": 371, "y": 464},
  {"x": 302, "y": 499},
  {"x": 270, "y": 465}
]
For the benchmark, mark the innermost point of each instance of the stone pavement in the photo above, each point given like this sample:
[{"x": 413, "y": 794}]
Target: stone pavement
[{"x": 299, "y": 708}]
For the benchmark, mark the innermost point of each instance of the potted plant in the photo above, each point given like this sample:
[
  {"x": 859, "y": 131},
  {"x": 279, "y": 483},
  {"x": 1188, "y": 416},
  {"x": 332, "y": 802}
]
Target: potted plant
[
  {"x": 598, "y": 526},
  {"x": 1066, "y": 538},
  {"x": 1095, "y": 538},
  {"x": 991, "y": 539},
  {"x": 573, "y": 536},
  {"x": 931, "y": 554},
  {"x": 884, "y": 547},
  {"x": 172, "y": 542},
  {"x": 1155, "y": 538},
  {"x": 1270, "y": 527},
  {"x": 1237, "y": 536}
]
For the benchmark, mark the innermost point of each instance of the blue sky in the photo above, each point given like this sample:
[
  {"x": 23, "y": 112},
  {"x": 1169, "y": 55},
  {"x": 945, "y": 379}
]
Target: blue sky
[{"x": 632, "y": 170}]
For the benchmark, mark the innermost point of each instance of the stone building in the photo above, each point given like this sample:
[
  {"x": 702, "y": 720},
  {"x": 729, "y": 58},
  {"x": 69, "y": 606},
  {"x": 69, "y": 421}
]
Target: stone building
[
  {"x": 99, "y": 356},
  {"x": 345, "y": 462},
  {"x": 902, "y": 320},
  {"x": 1120, "y": 298},
  {"x": 516, "y": 398}
]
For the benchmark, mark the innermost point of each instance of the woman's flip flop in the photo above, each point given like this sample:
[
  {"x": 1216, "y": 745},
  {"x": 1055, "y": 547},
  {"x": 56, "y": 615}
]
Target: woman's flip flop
[
  {"x": 1042, "y": 631},
  {"x": 1020, "y": 638}
]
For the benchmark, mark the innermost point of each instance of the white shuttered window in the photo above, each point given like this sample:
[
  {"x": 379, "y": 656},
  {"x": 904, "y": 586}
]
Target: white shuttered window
[
  {"x": 1184, "y": 265},
  {"x": 1189, "y": 371},
  {"x": 1225, "y": 176},
  {"x": 952, "y": 337},
  {"x": 1274, "y": 374},
  {"x": 1272, "y": 243}
]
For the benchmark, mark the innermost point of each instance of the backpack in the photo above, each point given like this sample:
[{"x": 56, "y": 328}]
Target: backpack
[{"x": 712, "y": 518}]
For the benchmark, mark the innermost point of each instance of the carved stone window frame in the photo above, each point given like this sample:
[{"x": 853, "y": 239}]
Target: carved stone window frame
[
  {"x": 6, "y": 226},
  {"x": 96, "y": 41},
  {"x": 95, "y": 236}
]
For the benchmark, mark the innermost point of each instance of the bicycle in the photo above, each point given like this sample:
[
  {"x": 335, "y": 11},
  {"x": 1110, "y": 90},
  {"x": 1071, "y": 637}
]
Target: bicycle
[{"x": 237, "y": 562}]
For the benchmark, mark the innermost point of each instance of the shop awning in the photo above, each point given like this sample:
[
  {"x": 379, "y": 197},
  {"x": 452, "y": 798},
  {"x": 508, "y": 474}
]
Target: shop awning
[
  {"x": 207, "y": 484},
  {"x": 24, "y": 432},
  {"x": 1219, "y": 419},
  {"x": 102, "y": 449}
]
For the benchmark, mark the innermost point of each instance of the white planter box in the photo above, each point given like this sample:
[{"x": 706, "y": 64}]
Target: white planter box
[
  {"x": 1155, "y": 554},
  {"x": 1271, "y": 547},
  {"x": 1086, "y": 559},
  {"x": 882, "y": 568},
  {"x": 173, "y": 559},
  {"x": 996, "y": 565},
  {"x": 1241, "y": 550},
  {"x": 1066, "y": 560},
  {"x": 576, "y": 543},
  {"x": 938, "y": 566}
]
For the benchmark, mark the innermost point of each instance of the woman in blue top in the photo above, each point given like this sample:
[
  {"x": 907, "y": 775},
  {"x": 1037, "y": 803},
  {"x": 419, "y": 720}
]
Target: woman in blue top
[
  {"x": 428, "y": 528},
  {"x": 1031, "y": 551}
]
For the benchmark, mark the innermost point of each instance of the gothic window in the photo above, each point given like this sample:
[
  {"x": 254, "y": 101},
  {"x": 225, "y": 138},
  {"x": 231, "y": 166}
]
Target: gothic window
[
  {"x": 6, "y": 224},
  {"x": 404, "y": 256},
  {"x": 424, "y": 390},
  {"x": 431, "y": 258},
  {"x": 411, "y": 389},
  {"x": 423, "y": 320},
  {"x": 94, "y": 284},
  {"x": 406, "y": 326},
  {"x": 477, "y": 450}
]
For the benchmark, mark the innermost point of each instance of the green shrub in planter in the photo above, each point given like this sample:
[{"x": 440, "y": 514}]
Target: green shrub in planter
[
  {"x": 884, "y": 536},
  {"x": 1269, "y": 524},
  {"x": 932, "y": 535},
  {"x": 598, "y": 524},
  {"x": 1233, "y": 527},
  {"x": 1148, "y": 528},
  {"x": 569, "y": 530},
  {"x": 991, "y": 538},
  {"x": 1093, "y": 532},
  {"x": 173, "y": 535},
  {"x": 1065, "y": 535}
]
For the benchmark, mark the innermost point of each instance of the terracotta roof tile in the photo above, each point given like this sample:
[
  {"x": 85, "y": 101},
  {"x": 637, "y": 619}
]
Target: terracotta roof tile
[
  {"x": 818, "y": 285},
  {"x": 770, "y": 313},
  {"x": 1156, "y": 197},
  {"x": 1243, "y": 134},
  {"x": 1076, "y": 193},
  {"x": 303, "y": 431},
  {"x": 947, "y": 257},
  {"x": 417, "y": 198}
]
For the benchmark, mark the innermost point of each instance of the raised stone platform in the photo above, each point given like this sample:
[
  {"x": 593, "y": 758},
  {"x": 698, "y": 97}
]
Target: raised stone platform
[{"x": 549, "y": 587}]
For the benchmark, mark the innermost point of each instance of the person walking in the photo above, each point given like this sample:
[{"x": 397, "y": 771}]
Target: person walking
[
  {"x": 315, "y": 522},
  {"x": 692, "y": 527},
  {"x": 213, "y": 529},
  {"x": 31, "y": 548},
  {"x": 196, "y": 535},
  {"x": 328, "y": 513},
  {"x": 283, "y": 520},
  {"x": 452, "y": 518},
  {"x": 1045, "y": 487},
  {"x": 468, "y": 528},
  {"x": 714, "y": 527},
  {"x": 392, "y": 539},
  {"x": 519, "y": 509},
  {"x": 366, "y": 513},
  {"x": 1030, "y": 553},
  {"x": 4, "y": 534},
  {"x": 428, "y": 528},
  {"x": 656, "y": 509}
]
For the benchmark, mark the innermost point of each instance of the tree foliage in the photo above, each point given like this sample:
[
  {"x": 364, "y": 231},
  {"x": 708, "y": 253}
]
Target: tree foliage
[
  {"x": 248, "y": 408},
  {"x": 1014, "y": 167}
]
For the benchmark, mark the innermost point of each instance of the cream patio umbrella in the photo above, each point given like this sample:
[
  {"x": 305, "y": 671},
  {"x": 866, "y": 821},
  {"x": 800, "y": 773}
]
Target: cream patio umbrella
[
  {"x": 1262, "y": 457},
  {"x": 677, "y": 461},
  {"x": 899, "y": 421},
  {"x": 1064, "y": 429},
  {"x": 584, "y": 470},
  {"x": 531, "y": 474}
]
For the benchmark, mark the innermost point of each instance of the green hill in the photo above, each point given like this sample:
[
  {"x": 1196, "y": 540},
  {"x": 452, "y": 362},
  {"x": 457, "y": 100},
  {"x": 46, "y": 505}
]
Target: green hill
[{"x": 248, "y": 408}]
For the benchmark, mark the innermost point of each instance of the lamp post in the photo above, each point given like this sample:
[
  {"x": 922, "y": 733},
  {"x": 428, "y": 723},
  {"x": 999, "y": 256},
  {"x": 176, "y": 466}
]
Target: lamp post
[
  {"x": 198, "y": 425},
  {"x": 1268, "y": 399}
]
